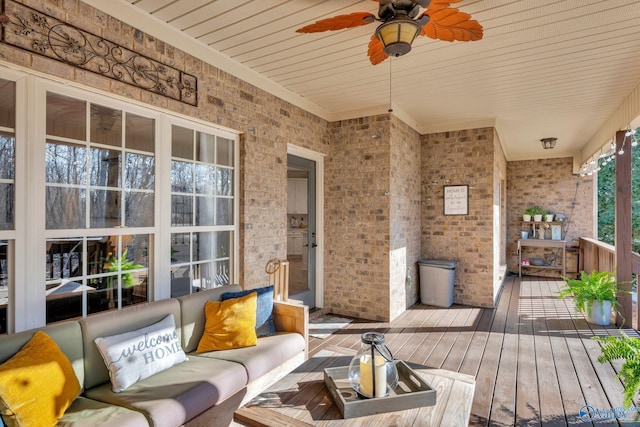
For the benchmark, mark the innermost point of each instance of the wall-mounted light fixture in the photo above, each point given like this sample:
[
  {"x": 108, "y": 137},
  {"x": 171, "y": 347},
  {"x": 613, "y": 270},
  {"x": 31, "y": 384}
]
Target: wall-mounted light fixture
[{"x": 548, "y": 143}]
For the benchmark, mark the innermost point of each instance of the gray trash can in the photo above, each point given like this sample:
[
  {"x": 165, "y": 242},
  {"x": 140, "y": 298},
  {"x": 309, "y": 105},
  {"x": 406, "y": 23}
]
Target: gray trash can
[{"x": 436, "y": 281}]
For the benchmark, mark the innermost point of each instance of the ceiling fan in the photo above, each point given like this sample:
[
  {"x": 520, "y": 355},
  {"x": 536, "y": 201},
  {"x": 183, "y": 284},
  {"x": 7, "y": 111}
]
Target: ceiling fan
[{"x": 402, "y": 22}]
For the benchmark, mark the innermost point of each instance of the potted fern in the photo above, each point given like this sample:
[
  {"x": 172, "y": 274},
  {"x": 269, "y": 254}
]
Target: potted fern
[
  {"x": 628, "y": 349},
  {"x": 594, "y": 293}
]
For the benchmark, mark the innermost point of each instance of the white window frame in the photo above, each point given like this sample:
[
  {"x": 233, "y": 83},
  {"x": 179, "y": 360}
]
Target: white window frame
[{"x": 27, "y": 298}]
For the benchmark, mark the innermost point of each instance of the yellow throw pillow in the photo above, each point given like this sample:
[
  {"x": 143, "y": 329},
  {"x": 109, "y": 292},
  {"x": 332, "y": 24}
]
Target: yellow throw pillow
[
  {"x": 37, "y": 384},
  {"x": 229, "y": 324}
]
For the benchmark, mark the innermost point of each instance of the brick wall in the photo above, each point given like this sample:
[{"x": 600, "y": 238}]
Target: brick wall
[
  {"x": 461, "y": 158},
  {"x": 549, "y": 183},
  {"x": 357, "y": 218},
  {"x": 405, "y": 201}
]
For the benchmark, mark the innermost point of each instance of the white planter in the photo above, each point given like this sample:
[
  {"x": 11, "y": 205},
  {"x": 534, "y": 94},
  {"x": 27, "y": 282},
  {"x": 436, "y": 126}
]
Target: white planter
[
  {"x": 526, "y": 218},
  {"x": 537, "y": 218},
  {"x": 548, "y": 218},
  {"x": 600, "y": 312}
]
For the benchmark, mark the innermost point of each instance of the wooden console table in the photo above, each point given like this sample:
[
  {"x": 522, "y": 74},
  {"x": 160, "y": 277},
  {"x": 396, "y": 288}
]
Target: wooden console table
[
  {"x": 301, "y": 399},
  {"x": 543, "y": 243}
]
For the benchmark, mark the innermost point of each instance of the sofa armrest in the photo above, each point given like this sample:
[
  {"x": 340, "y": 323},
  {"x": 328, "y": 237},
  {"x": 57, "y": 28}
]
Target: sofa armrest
[{"x": 291, "y": 317}]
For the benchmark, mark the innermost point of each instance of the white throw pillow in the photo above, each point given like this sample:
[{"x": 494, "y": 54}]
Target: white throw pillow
[{"x": 136, "y": 355}]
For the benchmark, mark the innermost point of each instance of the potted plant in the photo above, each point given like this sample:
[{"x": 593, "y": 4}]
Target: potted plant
[
  {"x": 628, "y": 349},
  {"x": 548, "y": 216},
  {"x": 526, "y": 217},
  {"x": 535, "y": 212},
  {"x": 594, "y": 293}
]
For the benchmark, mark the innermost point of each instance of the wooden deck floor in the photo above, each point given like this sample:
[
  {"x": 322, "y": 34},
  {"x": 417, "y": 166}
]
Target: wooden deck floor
[{"x": 532, "y": 356}]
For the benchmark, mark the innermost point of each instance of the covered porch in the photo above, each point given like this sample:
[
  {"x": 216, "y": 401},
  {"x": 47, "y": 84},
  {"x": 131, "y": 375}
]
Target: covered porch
[{"x": 533, "y": 356}]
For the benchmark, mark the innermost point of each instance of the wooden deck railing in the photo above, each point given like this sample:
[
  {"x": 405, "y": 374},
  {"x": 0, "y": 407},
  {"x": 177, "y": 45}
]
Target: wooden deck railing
[{"x": 597, "y": 255}]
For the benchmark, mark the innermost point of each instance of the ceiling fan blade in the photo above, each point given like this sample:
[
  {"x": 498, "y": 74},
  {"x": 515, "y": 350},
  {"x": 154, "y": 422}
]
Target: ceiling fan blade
[
  {"x": 339, "y": 22},
  {"x": 376, "y": 51},
  {"x": 450, "y": 24}
]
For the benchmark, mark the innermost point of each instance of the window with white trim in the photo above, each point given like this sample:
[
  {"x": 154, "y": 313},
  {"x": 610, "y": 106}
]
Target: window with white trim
[
  {"x": 99, "y": 185},
  {"x": 91, "y": 207},
  {"x": 7, "y": 192},
  {"x": 202, "y": 210}
]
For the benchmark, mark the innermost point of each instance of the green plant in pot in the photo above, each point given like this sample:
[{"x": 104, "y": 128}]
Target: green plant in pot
[
  {"x": 628, "y": 349},
  {"x": 536, "y": 212},
  {"x": 594, "y": 293}
]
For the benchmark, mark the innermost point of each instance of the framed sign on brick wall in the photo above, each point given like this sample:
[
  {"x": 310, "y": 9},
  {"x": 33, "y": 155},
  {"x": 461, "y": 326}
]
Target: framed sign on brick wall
[{"x": 456, "y": 200}]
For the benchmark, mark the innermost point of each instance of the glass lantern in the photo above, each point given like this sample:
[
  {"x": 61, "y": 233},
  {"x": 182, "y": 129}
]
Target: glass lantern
[{"x": 372, "y": 371}]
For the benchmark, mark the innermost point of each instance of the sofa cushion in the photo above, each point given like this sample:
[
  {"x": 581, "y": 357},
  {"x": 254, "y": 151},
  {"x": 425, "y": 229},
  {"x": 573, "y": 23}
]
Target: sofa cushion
[
  {"x": 174, "y": 396},
  {"x": 269, "y": 353},
  {"x": 192, "y": 312},
  {"x": 116, "y": 322},
  {"x": 265, "y": 324},
  {"x": 229, "y": 324},
  {"x": 135, "y": 355},
  {"x": 88, "y": 412},
  {"x": 37, "y": 384}
]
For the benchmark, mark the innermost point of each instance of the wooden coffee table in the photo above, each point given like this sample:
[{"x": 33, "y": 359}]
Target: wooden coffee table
[{"x": 301, "y": 399}]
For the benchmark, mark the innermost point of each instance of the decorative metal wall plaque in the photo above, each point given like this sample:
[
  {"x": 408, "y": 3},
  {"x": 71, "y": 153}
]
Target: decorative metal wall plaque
[{"x": 37, "y": 32}]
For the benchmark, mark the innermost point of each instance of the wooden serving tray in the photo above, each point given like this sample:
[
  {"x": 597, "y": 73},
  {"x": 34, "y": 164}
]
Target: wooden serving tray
[{"x": 411, "y": 392}]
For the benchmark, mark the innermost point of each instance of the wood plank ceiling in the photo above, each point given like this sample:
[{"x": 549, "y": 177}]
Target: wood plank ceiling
[{"x": 554, "y": 68}]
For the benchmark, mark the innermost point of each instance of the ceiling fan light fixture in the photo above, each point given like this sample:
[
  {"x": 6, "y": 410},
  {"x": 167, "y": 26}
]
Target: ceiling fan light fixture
[
  {"x": 548, "y": 143},
  {"x": 397, "y": 34}
]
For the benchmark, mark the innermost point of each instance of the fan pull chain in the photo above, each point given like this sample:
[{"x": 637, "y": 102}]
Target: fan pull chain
[{"x": 390, "y": 107}]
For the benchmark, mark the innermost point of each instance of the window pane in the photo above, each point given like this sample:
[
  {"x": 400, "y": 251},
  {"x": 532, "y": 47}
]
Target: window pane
[
  {"x": 181, "y": 211},
  {"x": 7, "y": 104},
  {"x": 223, "y": 244},
  {"x": 135, "y": 289},
  {"x": 102, "y": 294},
  {"x": 224, "y": 211},
  {"x": 140, "y": 133},
  {"x": 181, "y": 283},
  {"x": 65, "y": 208},
  {"x": 66, "y": 117},
  {"x": 181, "y": 142},
  {"x": 65, "y": 301},
  {"x": 65, "y": 163},
  {"x": 63, "y": 261},
  {"x": 6, "y": 206},
  {"x": 222, "y": 273},
  {"x": 203, "y": 248},
  {"x": 137, "y": 247},
  {"x": 205, "y": 176},
  {"x": 105, "y": 168},
  {"x": 140, "y": 172},
  {"x": 105, "y": 208},
  {"x": 204, "y": 275},
  {"x": 139, "y": 209},
  {"x": 224, "y": 149},
  {"x": 181, "y": 177},
  {"x": 4, "y": 285},
  {"x": 180, "y": 243},
  {"x": 64, "y": 265},
  {"x": 7, "y": 156},
  {"x": 106, "y": 125},
  {"x": 204, "y": 211},
  {"x": 224, "y": 182},
  {"x": 205, "y": 148}
]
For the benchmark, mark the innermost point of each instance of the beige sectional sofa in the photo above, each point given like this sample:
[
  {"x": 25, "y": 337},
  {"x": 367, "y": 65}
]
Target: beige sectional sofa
[{"x": 204, "y": 390}]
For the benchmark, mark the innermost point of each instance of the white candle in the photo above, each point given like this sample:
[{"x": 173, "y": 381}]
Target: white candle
[{"x": 366, "y": 378}]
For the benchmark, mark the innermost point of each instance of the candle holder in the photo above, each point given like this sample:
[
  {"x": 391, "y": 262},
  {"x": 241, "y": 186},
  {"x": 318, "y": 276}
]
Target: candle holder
[{"x": 372, "y": 371}]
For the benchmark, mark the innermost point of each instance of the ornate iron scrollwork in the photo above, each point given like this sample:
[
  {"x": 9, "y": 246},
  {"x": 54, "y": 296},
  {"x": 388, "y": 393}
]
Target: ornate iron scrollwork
[{"x": 37, "y": 32}]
